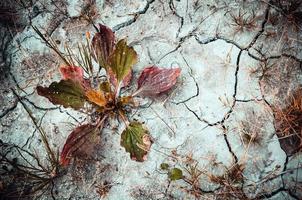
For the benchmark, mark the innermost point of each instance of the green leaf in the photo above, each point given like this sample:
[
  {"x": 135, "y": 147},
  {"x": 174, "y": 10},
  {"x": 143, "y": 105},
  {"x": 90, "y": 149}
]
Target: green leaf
[
  {"x": 122, "y": 60},
  {"x": 67, "y": 93},
  {"x": 164, "y": 166},
  {"x": 175, "y": 174},
  {"x": 136, "y": 140}
]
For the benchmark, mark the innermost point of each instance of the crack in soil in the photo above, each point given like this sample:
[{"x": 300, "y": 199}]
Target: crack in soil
[
  {"x": 173, "y": 9},
  {"x": 136, "y": 16},
  {"x": 8, "y": 110},
  {"x": 195, "y": 82},
  {"x": 221, "y": 122},
  {"x": 183, "y": 39}
]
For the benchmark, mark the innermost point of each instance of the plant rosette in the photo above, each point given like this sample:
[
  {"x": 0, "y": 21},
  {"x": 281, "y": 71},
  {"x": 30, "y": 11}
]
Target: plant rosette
[{"x": 75, "y": 91}]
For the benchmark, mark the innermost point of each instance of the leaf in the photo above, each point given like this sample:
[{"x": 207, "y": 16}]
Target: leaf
[
  {"x": 74, "y": 73},
  {"x": 102, "y": 45},
  {"x": 136, "y": 140},
  {"x": 76, "y": 139},
  {"x": 96, "y": 97},
  {"x": 126, "y": 101},
  {"x": 126, "y": 81},
  {"x": 164, "y": 166},
  {"x": 175, "y": 174},
  {"x": 154, "y": 80},
  {"x": 105, "y": 86},
  {"x": 66, "y": 92},
  {"x": 122, "y": 60}
]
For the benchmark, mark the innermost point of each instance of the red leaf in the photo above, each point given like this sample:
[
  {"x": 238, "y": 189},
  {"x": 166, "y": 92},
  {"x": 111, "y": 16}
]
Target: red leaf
[
  {"x": 74, "y": 73},
  {"x": 77, "y": 140},
  {"x": 154, "y": 80},
  {"x": 102, "y": 45}
]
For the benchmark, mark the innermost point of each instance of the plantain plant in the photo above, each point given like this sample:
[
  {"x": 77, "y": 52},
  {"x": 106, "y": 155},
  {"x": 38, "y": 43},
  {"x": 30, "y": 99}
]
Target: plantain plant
[{"x": 105, "y": 98}]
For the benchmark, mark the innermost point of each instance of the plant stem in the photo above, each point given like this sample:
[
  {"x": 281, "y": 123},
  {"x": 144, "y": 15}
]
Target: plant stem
[
  {"x": 51, "y": 155},
  {"x": 51, "y": 45},
  {"x": 124, "y": 118}
]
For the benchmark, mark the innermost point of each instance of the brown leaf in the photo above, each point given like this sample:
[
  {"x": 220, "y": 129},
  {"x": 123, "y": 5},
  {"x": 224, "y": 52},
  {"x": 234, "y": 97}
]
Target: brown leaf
[
  {"x": 77, "y": 139},
  {"x": 288, "y": 123},
  {"x": 96, "y": 97},
  {"x": 74, "y": 141},
  {"x": 105, "y": 87},
  {"x": 126, "y": 100},
  {"x": 154, "y": 80},
  {"x": 102, "y": 45}
]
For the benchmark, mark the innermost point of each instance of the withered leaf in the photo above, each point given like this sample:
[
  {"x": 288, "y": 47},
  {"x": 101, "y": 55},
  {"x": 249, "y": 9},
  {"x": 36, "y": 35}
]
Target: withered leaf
[
  {"x": 96, "y": 97},
  {"x": 105, "y": 86},
  {"x": 136, "y": 140},
  {"x": 76, "y": 139},
  {"x": 154, "y": 80},
  {"x": 102, "y": 45},
  {"x": 126, "y": 100},
  {"x": 288, "y": 123},
  {"x": 67, "y": 93},
  {"x": 122, "y": 60}
]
